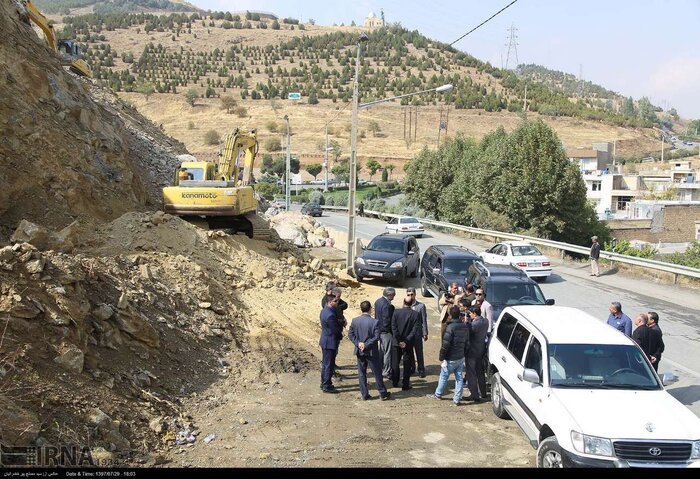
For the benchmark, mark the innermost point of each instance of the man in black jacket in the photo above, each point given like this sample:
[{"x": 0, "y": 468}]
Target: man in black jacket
[
  {"x": 595, "y": 255},
  {"x": 405, "y": 329},
  {"x": 641, "y": 333},
  {"x": 455, "y": 343},
  {"x": 476, "y": 380},
  {"x": 383, "y": 311},
  {"x": 364, "y": 334},
  {"x": 656, "y": 341}
]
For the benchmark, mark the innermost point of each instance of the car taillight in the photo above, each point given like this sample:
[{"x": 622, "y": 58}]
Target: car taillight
[
  {"x": 546, "y": 263},
  {"x": 522, "y": 265}
]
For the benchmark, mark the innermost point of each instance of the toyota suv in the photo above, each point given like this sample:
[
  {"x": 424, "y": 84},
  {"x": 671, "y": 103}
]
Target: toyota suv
[
  {"x": 505, "y": 285},
  {"x": 393, "y": 257},
  {"x": 442, "y": 265},
  {"x": 584, "y": 394}
]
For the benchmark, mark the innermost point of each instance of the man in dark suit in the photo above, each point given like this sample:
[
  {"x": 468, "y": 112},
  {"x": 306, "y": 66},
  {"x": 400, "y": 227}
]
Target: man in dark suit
[
  {"x": 383, "y": 311},
  {"x": 364, "y": 334},
  {"x": 656, "y": 341},
  {"x": 331, "y": 334},
  {"x": 476, "y": 380},
  {"x": 641, "y": 333},
  {"x": 405, "y": 329}
]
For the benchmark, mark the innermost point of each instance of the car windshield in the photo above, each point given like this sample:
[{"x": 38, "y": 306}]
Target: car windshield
[
  {"x": 510, "y": 294},
  {"x": 525, "y": 250},
  {"x": 408, "y": 220},
  {"x": 600, "y": 366},
  {"x": 458, "y": 266},
  {"x": 385, "y": 245}
]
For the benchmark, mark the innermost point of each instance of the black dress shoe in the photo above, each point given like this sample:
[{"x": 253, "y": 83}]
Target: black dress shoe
[
  {"x": 387, "y": 396},
  {"x": 366, "y": 398},
  {"x": 330, "y": 391},
  {"x": 421, "y": 375},
  {"x": 472, "y": 398},
  {"x": 406, "y": 388}
]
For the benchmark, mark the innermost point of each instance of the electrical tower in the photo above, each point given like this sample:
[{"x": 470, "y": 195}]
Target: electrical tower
[
  {"x": 444, "y": 120},
  {"x": 512, "y": 46}
]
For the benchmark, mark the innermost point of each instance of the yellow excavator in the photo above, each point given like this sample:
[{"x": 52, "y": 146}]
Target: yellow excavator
[
  {"x": 67, "y": 50},
  {"x": 222, "y": 193}
]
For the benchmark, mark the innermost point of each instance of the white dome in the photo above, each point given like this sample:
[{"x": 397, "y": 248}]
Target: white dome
[{"x": 371, "y": 15}]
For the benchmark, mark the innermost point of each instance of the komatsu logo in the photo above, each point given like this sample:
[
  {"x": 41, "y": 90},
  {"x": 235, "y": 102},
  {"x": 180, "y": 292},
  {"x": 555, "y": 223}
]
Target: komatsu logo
[{"x": 199, "y": 195}]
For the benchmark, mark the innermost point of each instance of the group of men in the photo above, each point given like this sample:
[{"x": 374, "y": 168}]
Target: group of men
[
  {"x": 646, "y": 333},
  {"x": 387, "y": 338},
  {"x": 384, "y": 342}
]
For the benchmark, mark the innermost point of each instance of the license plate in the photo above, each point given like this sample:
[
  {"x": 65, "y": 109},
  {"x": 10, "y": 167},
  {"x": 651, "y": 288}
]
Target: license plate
[
  {"x": 375, "y": 273},
  {"x": 534, "y": 264}
]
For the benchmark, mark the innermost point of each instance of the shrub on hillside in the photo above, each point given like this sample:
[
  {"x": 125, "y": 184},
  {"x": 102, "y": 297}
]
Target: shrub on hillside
[{"x": 212, "y": 137}]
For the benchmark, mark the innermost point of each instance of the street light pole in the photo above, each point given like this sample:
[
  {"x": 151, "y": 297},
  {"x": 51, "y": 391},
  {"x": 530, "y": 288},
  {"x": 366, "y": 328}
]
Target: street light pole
[
  {"x": 325, "y": 163},
  {"x": 288, "y": 166},
  {"x": 353, "y": 159}
]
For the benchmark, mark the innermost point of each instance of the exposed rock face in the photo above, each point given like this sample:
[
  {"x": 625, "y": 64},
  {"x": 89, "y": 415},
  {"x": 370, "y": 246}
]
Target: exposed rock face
[{"x": 64, "y": 154}]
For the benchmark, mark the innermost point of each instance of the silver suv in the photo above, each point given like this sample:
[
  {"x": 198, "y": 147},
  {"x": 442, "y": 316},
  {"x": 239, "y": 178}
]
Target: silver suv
[{"x": 585, "y": 394}]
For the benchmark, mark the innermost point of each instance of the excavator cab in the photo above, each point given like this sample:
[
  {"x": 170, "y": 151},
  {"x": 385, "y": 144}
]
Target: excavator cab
[{"x": 69, "y": 49}]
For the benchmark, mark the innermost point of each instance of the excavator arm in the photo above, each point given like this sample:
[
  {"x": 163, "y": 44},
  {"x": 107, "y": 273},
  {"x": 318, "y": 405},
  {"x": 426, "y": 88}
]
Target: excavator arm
[
  {"x": 67, "y": 50},
  {"x": 239, "y": 147}
]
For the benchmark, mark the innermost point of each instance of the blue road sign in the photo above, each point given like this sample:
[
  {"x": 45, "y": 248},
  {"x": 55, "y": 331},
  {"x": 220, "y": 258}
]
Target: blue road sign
[{"x": 294, "y": 96}]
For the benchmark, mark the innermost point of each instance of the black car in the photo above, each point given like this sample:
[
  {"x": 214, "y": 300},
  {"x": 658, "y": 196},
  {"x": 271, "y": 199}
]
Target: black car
[
  {"x": 388, "y": 256},
  {"x": 442, "y": 265},
  {"x": 505, "y": 285},
  {"x": 312, "y": 209}
]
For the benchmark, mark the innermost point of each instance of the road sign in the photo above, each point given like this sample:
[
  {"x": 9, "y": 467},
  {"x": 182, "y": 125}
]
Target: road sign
[{"x": 294, "y": 96}]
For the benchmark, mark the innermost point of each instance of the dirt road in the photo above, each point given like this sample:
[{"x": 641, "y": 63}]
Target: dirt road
[{"x": 282, "y": 419}]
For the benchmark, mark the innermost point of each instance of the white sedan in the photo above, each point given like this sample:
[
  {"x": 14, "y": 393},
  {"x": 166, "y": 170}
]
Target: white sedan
[
  {"x": 407, "y": 225},
  {"x": 520, "y": 254}
]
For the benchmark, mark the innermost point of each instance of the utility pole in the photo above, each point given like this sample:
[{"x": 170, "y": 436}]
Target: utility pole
[
  {"x": 288, "y": 166},
  {"x": 525, "y": 101},
  {"x": 325, "y": 163},
  {"x": 662, "y": 146}
]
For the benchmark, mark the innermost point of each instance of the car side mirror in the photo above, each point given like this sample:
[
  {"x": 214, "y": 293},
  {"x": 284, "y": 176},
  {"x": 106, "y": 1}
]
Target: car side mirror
[
  {"x": 549, "y": 302},
  {"x": 668, "y": 378},
  {"x": 436, "y": 270},
  {"x": 530, "y": 376}
]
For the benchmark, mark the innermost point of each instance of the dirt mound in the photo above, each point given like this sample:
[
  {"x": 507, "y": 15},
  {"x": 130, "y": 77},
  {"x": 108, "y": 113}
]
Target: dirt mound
[
  {"x": 65, "y": 153},
  {"x": 101, "y": 347}
]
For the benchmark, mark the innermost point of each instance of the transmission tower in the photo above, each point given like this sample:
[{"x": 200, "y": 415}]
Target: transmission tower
[{"x": 512, "y": 46}]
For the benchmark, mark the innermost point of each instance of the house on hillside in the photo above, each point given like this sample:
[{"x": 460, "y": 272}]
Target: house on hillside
[
  {"x": 659, "y": 222},
  {"x": 590, "y": 160},
  {"x": 371, "y": 21}
]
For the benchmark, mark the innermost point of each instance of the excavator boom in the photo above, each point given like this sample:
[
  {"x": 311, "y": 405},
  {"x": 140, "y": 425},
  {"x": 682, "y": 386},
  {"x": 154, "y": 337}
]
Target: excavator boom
[
  {"x": 238, "y": 146},
  {"x": 67, "y": 50}
]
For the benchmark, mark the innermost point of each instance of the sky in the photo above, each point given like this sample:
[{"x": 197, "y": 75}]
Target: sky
[{"x": 634, "y": 47}]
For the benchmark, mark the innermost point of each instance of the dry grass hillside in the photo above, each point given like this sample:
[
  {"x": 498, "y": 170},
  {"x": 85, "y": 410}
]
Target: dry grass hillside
[{"x": 189, "y": 124}]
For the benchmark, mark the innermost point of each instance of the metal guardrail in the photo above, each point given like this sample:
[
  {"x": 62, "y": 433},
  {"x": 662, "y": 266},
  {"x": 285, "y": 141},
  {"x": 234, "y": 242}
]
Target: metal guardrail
[{"x": 675, "y": 269}]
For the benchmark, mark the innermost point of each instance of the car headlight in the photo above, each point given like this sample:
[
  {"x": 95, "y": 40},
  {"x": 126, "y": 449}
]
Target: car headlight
[
  {"x": 695, "y": 454},
  {"x": 591, "y": 445},
  {"x": 397, "y": 265},
  {"x": 359, "y": 260}
]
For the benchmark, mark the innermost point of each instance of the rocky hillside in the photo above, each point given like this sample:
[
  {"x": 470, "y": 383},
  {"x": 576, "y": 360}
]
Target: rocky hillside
[{"x": 70, "y": 150}]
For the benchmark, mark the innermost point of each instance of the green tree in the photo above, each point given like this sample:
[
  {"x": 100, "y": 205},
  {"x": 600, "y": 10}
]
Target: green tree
[
  {"x": 372, "y": 167},
  {"x": 191, "y": 96},
  {"x": 527, "y": 177},
  {"x": 228, "y": 103},
  {"x": 374, "y": 128},
  {"x": 266, "y": 190},
  {"x": 385, "y": 175},
  {"x": 275, "y": 25},
  {"x": 390, "y": 167},
  {"x": 341, "y": 172},
  {"x": 691, "y": 257},
  {"x": 146, "y": 89},
  {"x": 314, "y": 169}
]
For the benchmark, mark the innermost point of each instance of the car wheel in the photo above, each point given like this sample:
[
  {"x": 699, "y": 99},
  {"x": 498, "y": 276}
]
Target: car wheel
[
  {"x": 497, "y": 397},
  {"x": 549, "y": 454},
  {"x": 423, "y": 288}
]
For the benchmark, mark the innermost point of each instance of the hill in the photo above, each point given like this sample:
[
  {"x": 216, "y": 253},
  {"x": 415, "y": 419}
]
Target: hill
[
  {"x": 258, "y": 61},
  {"x": 78, "y": 7}
]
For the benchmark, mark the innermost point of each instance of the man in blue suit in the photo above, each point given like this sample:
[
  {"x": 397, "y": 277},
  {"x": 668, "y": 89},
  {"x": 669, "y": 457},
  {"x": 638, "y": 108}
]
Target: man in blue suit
[
  {"x": 331, "y": 334},
  {"x": 364, "y": 334}
]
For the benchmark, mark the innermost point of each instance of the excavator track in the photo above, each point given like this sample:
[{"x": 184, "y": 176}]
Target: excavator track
[{"x": 260, "y": 227}]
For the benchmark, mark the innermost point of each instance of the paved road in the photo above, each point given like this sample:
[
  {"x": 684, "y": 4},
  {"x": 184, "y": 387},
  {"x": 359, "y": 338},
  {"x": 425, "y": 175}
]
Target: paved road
[{"x": 571, "y": 285}]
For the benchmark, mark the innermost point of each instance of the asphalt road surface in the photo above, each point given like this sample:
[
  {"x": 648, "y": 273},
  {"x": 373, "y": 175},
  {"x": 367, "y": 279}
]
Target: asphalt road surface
[{"x": 571, "y": 285}]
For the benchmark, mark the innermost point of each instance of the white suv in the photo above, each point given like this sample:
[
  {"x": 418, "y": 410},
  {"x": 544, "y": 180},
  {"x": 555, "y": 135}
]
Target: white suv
[{"x": 585, "y": 394}]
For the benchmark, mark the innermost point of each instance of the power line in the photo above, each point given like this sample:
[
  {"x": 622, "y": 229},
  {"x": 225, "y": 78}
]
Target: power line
[{"x": 482, "y": 23}]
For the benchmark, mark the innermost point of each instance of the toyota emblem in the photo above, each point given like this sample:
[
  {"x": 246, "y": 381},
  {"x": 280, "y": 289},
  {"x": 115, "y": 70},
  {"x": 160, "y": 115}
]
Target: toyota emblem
[{"x": 655, "y": 451}]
